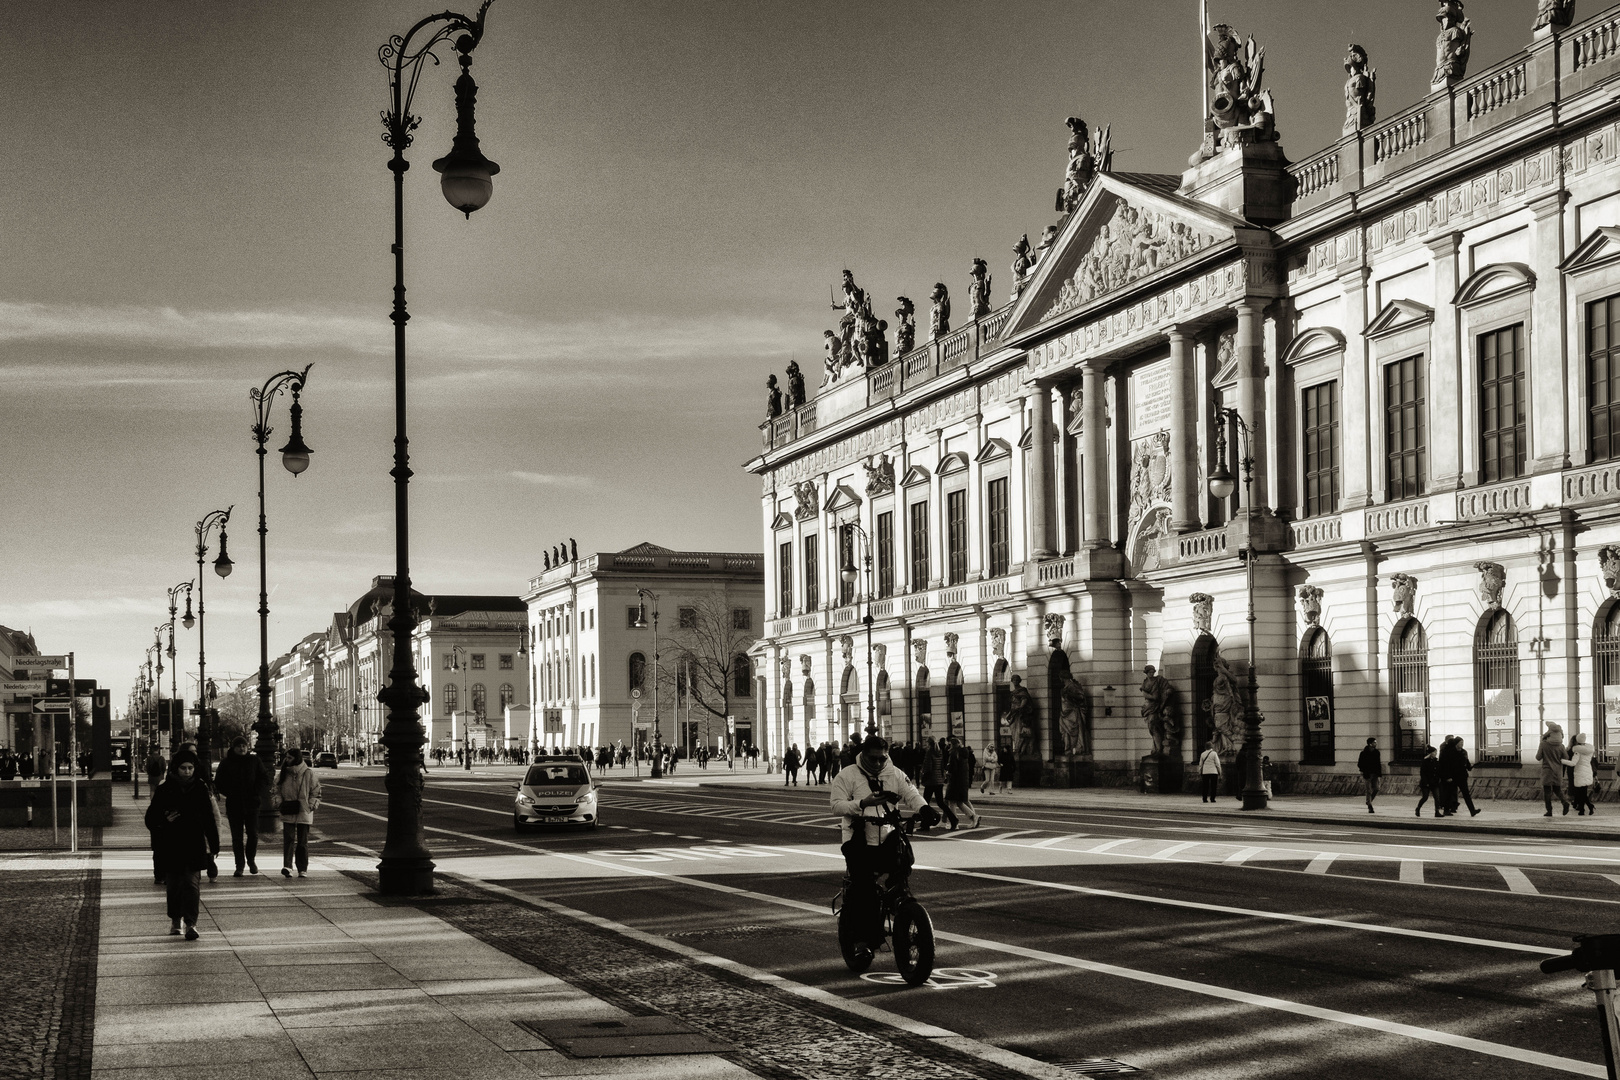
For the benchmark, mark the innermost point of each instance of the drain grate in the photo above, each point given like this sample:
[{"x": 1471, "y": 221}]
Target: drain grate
[
  {"x": 734, "y": 931},
  {"x": 631, "y": 1036},
  {"x": 1096, "y": 1067}
]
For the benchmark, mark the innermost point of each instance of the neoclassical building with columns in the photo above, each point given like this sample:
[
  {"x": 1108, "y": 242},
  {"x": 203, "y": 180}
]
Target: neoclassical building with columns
[{"x": 1404, "y": 349}]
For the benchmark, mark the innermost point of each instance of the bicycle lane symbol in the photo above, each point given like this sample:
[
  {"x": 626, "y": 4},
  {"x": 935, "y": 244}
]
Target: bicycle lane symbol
[{"x": 941, "y": 979}]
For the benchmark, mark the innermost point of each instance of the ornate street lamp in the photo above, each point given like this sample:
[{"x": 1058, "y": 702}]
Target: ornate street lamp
[
  {"x": 641, "y": 624},
  {"x": 174, "y": 668},
  {"x": 1221, "y": 486},
  {"x": 406, "y": 868},
  {"x": 214, "y": 519},
  {"x": 295, "y": 456},
  {"x": 850, "y": 576}
]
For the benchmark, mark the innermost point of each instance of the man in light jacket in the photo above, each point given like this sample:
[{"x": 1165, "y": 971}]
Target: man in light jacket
[
  {"x": 861, "y": 796},
  {"x": 1209, "y": 773}
]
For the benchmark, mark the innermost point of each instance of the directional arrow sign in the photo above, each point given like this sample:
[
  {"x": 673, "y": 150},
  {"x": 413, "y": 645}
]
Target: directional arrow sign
[
  {"x": 24, "y": 686},
  {"x": 59, "y": 704},
  {"x": 50, "y": 662}
]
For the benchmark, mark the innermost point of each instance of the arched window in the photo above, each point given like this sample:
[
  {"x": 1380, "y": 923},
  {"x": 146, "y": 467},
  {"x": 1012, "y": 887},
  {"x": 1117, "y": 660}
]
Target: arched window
[
  {"x": 955, "y": 701},
  {"x": 1316, "y": 690},
  {"x": 593, "y": 674},
  {"x": 1409, "y": 679},
  {"x": 478, "y": 699},
  {"x": 809, "y": 701},
  {"x": 1496, "y": 687},
  {"x": 1606, "y": 684},
  {"x": 451, "y": 690},
  {"x": 925, "y": 705},
  {"x": 742, "y": 677},
  {"x": 885, "y": 701},
  {"x": 507, "y": 694}
]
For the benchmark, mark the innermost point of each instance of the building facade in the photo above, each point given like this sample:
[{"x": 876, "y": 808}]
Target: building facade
[
  {"x": 595, "y": 668},
  {"x": 1398, "y": 354}
]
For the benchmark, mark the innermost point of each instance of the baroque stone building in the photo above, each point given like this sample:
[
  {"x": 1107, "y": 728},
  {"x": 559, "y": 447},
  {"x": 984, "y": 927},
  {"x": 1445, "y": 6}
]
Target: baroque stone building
[{"x": 1409, "y": 335}]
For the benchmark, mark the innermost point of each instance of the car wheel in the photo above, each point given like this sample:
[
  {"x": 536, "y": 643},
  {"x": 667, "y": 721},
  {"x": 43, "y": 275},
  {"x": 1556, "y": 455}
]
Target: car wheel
[{"x": 517, "y": 824}]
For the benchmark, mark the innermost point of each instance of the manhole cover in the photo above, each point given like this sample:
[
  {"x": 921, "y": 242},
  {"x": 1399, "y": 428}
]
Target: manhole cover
[
  {"x": 1097, "y": 1067},
  {"x": 630, "y": 1036},
  {"x": 734, "y": 931}
]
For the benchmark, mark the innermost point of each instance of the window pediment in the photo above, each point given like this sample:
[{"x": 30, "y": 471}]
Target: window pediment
[
  {"x": 1028, "y": 438},
  {"x": 1600, "y": 248},
  {"x": 914, "y": 476},
  {"x": 1308, "y": 345},
  {"x": 1494, "y": 282},
  {"x": 1399, "y": 315},
  {"x": 994, "y": 450},
  {"x": 842, "y": 500},
  {"x": 953, "y": 463},
  {"x": 783, "y": 520}
]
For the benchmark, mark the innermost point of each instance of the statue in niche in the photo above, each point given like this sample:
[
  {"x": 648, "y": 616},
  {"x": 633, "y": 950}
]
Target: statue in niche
[
  {"x": 1077, "y": 409},
  {"x": 1087, "y": 158},
  {"x": 1310, "y": 604},
  {"x": 1203, "y": 606},
  {"x": 1452, "y": 47},
  {"x": 1405, "y": 588},
  {"x": 880, "y": 652},
  {"x": 1158, "y": 710},
  {"x": 1023, "y": 263},
  {"x": 1557, "y": 14},
  {"x": 773, "y": 398},
  {"x": 879, "y": 475},
  {"x": 1359, "y": 90},
  {"x": 1493, "y": 579},
  {"x": 1074, "y": 721},
  {"x": 795, "y": 390},
  {"x": 1609, "y": 563},
  {"x": 1225, "y": 708},
  {"x": 939, "y": 323},
  {"x": 979, "y": 290},
  {"x": 1240, "y": 111},
  {"x": 804, "y": 493},
  {"x": 1021, "y": 717},
  {"x": 787, "y": 667},
  {"x": 905, "y": 329},
  {"x": 804, "y": 664}
]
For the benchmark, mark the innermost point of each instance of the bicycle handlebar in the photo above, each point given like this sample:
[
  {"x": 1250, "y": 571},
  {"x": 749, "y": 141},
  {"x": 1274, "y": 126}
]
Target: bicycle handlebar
[{"x": 1593, "y": 952}]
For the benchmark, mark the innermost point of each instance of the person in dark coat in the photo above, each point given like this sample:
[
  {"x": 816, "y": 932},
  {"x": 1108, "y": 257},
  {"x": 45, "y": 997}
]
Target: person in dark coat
[
  {"x": 790, "y": 766},
  {"x": 241, "y": 778},
  {"x": 1371, "y": 766},
  {"x": 185, "y": 838},
  {"x": 959, "y": 766},
  {"x": 1429, "y": 781},
  {"x": 1454, "y": 770}
]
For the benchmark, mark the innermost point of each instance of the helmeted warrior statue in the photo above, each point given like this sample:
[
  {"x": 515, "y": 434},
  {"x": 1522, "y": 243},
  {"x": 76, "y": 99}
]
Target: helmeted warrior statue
[
  {"x": 939, "y": 323},
  {"x": 979, "y": 289},
  {"x": 1087, "y": 158},
  {"x": 1240, "y": 111},
  {"x": 1359, "y": 90},
  {"x": 795, "y": 390},
  {"x": 773, "y": 398},
  {"x": 1556, "y": 14},
  {"x": 1023, "y": 263},
  {"x": 1452, "y": 47},
  {"x": 905, "y": 330}
]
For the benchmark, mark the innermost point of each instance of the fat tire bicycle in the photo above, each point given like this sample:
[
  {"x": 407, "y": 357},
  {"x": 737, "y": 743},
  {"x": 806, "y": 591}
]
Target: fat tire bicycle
[{"x": 904, "y": 921}]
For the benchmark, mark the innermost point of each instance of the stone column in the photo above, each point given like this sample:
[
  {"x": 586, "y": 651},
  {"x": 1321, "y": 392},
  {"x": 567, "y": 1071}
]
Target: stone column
[
  {"x": 1446, "y": 426},
  {"x": 1251, "y": 392},
  {"x": 1183, "y": 434},
  {"x": 1037, "y": 511},
  {"x": 1547, "y": 364},
  {"x": 1094, "y": 461}
]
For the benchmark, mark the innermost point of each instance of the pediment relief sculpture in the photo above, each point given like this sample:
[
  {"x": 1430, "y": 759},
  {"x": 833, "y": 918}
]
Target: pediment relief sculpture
[{"x": 1135, "y": 243}]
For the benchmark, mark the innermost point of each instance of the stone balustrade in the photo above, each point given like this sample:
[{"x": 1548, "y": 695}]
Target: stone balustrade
[
  {"x": 1317, "y": 530},
  {"x": 1398, "y": 517},
  {"x": 1497, "y": 88}
]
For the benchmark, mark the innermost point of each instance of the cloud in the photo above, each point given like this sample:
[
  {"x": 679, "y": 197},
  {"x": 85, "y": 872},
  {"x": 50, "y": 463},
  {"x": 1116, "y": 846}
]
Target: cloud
[{"x": 562, "y": 480}]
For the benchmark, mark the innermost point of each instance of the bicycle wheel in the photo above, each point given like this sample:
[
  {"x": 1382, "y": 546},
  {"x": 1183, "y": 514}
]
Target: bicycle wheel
[
  {"x": 913, "y": 943},
  {"x": 856, "y": 962}
]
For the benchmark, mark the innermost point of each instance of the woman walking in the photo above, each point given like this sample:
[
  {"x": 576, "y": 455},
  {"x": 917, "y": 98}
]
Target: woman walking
[
  {"x": 298, "y": 795},
  {"x": 1006, "y": 768},
  {"x": 959, "y": 766},
  {"x": 1551, "y": 755},
  {"x": 185, "y": 839},
  {"x": 1580, "y": 786}
]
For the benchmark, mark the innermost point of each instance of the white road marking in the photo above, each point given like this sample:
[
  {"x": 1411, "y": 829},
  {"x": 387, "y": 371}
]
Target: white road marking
[
  {"x": 1056, "y": 840},
  {"x": 1320, "y": 864},
  {"x": 1516, "y": 881},
  {"x": 1008, "y": 836},
  {"x": 1244, "y": 855},
  {"x": 1175, "y": 849},
  {"x": 1107, "y": 845},
  {"x": 1412, "y": 871}
]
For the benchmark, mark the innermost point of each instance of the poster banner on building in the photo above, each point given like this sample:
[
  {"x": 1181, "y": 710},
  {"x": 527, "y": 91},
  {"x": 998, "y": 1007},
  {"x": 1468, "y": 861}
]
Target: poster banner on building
[
  {"x": 1413, "y": 708},
  {"x": 1501, "y": 707},
  {"x": 1318, "y": 714},
  {"x": 1611, "y": 714},
  {"x": 959, "y": 725}
]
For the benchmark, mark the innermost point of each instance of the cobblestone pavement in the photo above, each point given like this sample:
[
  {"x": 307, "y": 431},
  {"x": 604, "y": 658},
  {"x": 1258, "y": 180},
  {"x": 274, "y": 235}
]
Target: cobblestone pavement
[
  {"x": 779, "y": 1035},
  {"x": 35, "y": 838},
  {"x": 48, "y": 980}
]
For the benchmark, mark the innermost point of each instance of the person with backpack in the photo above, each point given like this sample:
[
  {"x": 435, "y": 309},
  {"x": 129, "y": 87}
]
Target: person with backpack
[{"x": 1209, "y": 774}]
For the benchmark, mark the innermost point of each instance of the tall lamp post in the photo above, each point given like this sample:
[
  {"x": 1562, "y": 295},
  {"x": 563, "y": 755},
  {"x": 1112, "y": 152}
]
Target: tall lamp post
[
  {"x": 157, "y": 651},
  {"x": 850, "y": 576},
  {"x": 644, "y": 595},
  {"x": 1221, "y": 486},
  {"x": 406, "y": 867},
  {"x": 174, "y": 668},
  {"x": 295, "y": 456},
  {"x": 214, "y": 519}
]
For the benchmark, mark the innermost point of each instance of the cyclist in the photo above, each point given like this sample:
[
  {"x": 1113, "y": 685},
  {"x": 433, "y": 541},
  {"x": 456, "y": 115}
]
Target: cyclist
[{"x": 862, "y": 796}]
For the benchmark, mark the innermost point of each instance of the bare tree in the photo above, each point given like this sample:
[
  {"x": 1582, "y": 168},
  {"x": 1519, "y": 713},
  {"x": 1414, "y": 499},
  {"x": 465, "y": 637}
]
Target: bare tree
[{"x": 706, "y": 641}]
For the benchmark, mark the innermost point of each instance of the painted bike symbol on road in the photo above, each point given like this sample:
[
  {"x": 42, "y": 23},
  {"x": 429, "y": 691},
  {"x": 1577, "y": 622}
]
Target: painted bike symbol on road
[{"x": 941, "y": 979}]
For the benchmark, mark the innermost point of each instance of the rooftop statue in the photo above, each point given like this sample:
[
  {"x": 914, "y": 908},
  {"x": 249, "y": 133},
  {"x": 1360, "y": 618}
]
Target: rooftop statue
[
  {"x": 1451, "y": 48},
  {"x": 1087, "y": 158},
  {"x": 1023, "y": 263},
  {"x": 832, "y": 364},
  {"x": 979, "y": 289},
  {"x": 905, "y": 331},
  {"x": 940, "y": 318},
  {"x": 1359, "y": 90},
  {"x": 795, "y": 391},
  {"x": 1554, "y": 13},
  {"x": 1240, "y": 111},
  {"x": 859, "y": 331},
  {"x": 773, "y": 398}
]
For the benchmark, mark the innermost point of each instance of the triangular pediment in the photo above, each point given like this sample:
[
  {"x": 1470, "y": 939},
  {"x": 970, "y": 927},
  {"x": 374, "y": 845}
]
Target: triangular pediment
[
  {"x": 992, "y": 450},
  {"x": 841, "y": 499},
  {"x": 1494, "y": 282},
  {"x": 914, "y": 475},
  {"x": 1399, "y": 315},
  {"x": 1600, "y": 248},
  {"x": 1128, "y": 228},
  {"x": 783, "y": 520}
]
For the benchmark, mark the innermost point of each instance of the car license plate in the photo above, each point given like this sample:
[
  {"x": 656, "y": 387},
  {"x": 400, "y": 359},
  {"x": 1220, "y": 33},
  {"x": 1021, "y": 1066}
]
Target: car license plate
[{"x": 554, "y": 819}]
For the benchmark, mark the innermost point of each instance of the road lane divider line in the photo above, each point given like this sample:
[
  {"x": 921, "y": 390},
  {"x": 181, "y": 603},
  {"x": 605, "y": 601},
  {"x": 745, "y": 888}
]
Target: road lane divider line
[
  {"x": 1516, "y": 881},
  {"x": 1320, "y": 864},
  {"x": 1412, "y": 871},
  {"x": 1243, "y": 855}
]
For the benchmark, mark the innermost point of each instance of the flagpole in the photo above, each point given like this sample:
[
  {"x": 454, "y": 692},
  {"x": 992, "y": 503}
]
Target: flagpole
[{"x": 1203, "y": 48}]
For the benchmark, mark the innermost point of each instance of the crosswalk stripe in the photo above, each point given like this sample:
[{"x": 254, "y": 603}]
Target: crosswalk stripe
[
  {"x": 1174, "y": 849},
  {"x": 1243, "y": 856},
  {"x": 1010, "y": 835},
  {"x": 1412, "y": 871},
  {"x": 1053, "y": 841},
  {"x": 1320, "y": 864},
  {"x": 1111, "y": 845},
  {"x": 1516, "y": 881}
]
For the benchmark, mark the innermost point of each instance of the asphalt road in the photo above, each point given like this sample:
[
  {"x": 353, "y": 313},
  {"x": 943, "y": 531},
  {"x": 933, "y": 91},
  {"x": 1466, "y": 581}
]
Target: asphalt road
[{"x": 1187, "y": 948}]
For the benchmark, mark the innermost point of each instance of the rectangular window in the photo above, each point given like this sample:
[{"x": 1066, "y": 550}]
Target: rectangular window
[
  {"x": 506, "y": 661},
  {"x": 956, "y": 536},
  {"x": 885, "y": 554},
  {"x": 812, "y": 573},
  {"x": 687, "y": 617},
  {"x": 784, "y": 580},
  {"x": 1404, "y": 440},
  {"x": 1501, "y": 404},
  {"x": 478, "y": 661},
  {"x": 919, "y": 545},
  {"x": 1321, "y": 409},
  {"x": 997, "y": 536},
  {"x": 742, "y": 618},
  {"x": 1603, "y": 377},
  {"x": 846, "y": 557}
]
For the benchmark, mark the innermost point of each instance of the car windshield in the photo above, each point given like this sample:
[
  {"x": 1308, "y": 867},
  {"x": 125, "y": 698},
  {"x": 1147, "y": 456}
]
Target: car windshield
[{"x": 556, "y": 776}]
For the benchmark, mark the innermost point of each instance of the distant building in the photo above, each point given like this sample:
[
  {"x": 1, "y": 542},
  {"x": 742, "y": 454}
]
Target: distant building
[{"x": 14, "y": 643}]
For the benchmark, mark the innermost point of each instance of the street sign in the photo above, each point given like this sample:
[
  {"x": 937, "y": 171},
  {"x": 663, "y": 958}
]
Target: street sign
[
  {"x": 23, "y": 686},
  {"x": 51, "y": 705},
  {"x": 50, "y": 662},
  {"x": 731, "y": 724}
]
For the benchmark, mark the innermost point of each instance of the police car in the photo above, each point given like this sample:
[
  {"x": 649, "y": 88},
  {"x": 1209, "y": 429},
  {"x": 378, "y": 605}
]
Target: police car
[{"x": 555, "y": 791}]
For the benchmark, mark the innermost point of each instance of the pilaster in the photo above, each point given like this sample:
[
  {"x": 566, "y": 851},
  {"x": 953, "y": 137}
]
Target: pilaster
[
  {"x": 1183, "y": 433},
  {"x": 1445, "y": 370},
  {"x": 1548, "y": 363},
  {"x": 1357, "y": 425}
]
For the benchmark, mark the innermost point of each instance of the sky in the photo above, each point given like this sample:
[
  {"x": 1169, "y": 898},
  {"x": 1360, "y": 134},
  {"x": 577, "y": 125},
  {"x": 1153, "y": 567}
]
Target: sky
[{"x": 198, "y": 199}]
